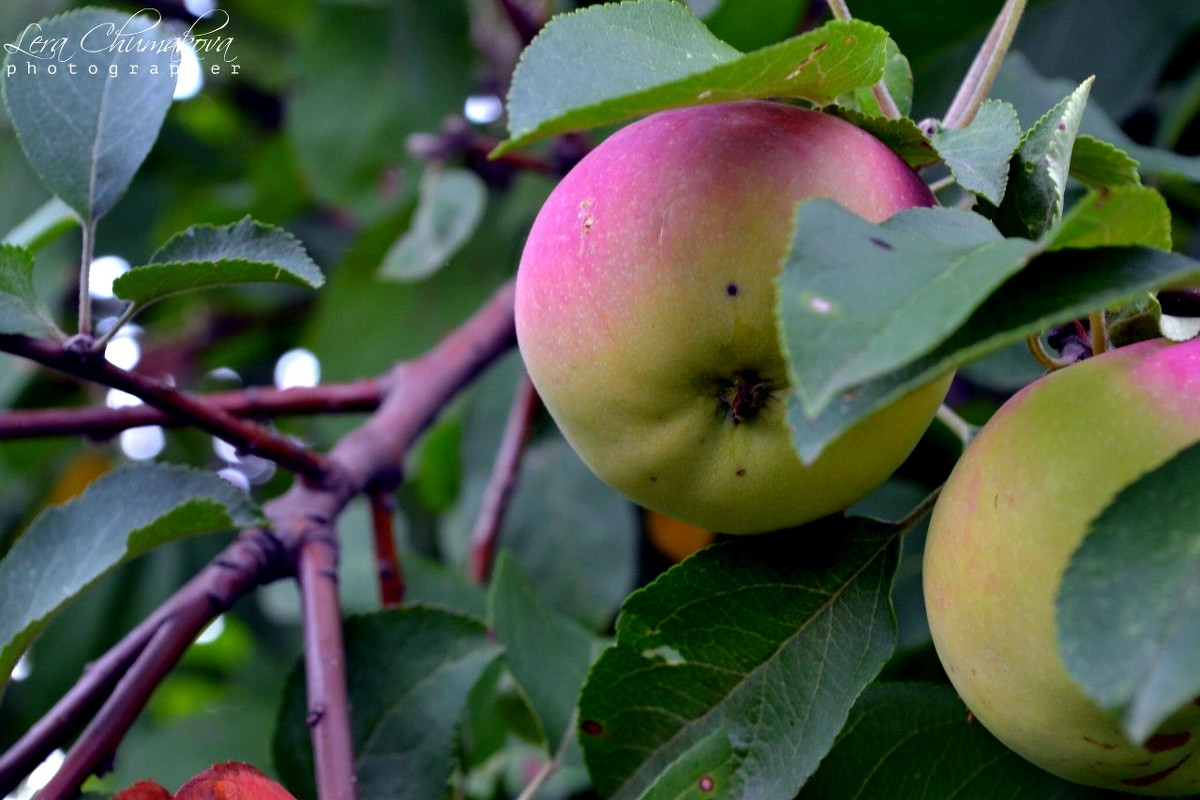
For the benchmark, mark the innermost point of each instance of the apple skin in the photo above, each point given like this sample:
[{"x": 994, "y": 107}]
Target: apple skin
[
  {"x": 1015, "y": 508},
  {"x": 647, "y": 284}
]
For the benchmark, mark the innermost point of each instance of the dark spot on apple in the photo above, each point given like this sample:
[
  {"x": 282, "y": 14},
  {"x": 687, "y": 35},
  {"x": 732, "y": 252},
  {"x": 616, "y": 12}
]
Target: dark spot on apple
[
  {"x": 1155, "y": 777},
  {"x": 880, "y": 243},
  {"x": 741, "y": 472},
  {"x": 1161, "y": 742},
  {"x": 1102, "y": 745},
  {"x": 591, "y": 727},
  {"x": 654, "y": 479},
  {"x": 731, "y": 290},
  {"x": 707, "y": 784}
]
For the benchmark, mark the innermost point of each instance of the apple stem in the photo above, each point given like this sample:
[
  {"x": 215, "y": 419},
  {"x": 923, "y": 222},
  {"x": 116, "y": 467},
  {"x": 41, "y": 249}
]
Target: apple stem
[
  {"x": 887, "y": 104},
  {"x": 982, "y": 74},
  {"x": 1099, "y": 332},
  {"x": 964, "y": 430},
  {"x": 1044, "y": 358}
]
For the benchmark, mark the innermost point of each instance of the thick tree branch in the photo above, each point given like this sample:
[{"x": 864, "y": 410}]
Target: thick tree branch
[
  {"x": 253, "y": 402},
  {"x": 243, "y": 434},
  {"x": 328, "y": 716},
  {"x": 414, "y": 394},
  {"x": 503, "y": 479}
]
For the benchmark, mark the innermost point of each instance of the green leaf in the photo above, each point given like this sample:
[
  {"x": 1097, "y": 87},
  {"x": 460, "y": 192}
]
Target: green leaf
[
  {"x": 548, "y": 653},
  {"x": 857, "y": 300},
  {"x": 978, "y": 155},
  {"x": 1128, "y": 610},
  {"x": 1098, "y": 163},
  {"x": 204, "y": 256},
  {"x": 1136, "y": 321},
  {"x": 451, "y": 207},
  {"x": 86, "y": 134},
  {"x": 365, "y": 79},
  {"x": 1053, "y": 289},
  {"x": 902, "y": 136},
  {"x": 906, "y": 741},
  {"x": 1115, "y": 217},
  {"x": 1038, "y": 175},
  {"x": 1030, "y": 92},
  {"x": 897, "y": 76},
  {"x": 408, "y": 673},
  {"x": 119, "y": 517},
  {"x": 610, "y": 63},
  {"x": 703, "y": 772},
  {"x": 20, "y": 311},
  {"x": 52, "y": 220},
  {"x": 746, "y": 639},
  {"x": 573, "y": 536}
]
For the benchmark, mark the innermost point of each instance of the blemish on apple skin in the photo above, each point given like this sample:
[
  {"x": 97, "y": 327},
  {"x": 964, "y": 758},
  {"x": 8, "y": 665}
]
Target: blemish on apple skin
[
  {"x": 1102, "y": 745},
  {"x": 741, "y": 473},
  {"x": 707, "y": 784},
  {"x": 654, "y": 479},
  {"x": 1161, "y": 742},
  {"x": 707, "y": 93},
  {"x": 731, "y": 290},
  {"x": 591, "y": 727},
  {"x": 1150, "y": 780}
]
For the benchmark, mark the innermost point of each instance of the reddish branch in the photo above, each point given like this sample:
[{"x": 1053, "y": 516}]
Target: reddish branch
[
  {"x": 299, "y": 543},
  {"x": 250, "y": 403},
  {"x": 247, "y": 436},
  {"x": 387, "y": 560},
  {"x": 523, "y": 21},
  {"x": 503, "y": 480}
]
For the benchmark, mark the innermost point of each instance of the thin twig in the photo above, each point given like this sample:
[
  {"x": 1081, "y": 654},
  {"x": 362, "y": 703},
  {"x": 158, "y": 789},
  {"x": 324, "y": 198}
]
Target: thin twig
[
  {"x": 523, "y": 22},
  {"x": 387, "y": 560},
  {"x": 503, "y": 479},
  {"x": 328, "y": 717},
  {"x": 254, "y": 402},
  {"x": 98, "y": 742},
  {"x": 554, "y": 764},
  {"x": 245, "y": 435},
  {"x": 1044, "y": 358},
  {"x": 982, "y": 74}
]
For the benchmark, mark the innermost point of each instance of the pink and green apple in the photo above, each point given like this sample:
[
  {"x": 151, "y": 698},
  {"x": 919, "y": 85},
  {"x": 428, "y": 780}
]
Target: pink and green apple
[
  {"x": 646, "y": 312},
  {"x": 1016, "y": 507}
]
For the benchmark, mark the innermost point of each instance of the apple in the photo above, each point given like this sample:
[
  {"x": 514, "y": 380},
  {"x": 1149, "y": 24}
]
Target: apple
[
  {"x": 1015, "y": 508},
  {"x": 645, "y": 312}
]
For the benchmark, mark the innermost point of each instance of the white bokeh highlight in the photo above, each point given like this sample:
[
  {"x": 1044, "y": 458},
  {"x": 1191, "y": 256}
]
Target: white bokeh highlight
[{"x": 297, "y": 368}]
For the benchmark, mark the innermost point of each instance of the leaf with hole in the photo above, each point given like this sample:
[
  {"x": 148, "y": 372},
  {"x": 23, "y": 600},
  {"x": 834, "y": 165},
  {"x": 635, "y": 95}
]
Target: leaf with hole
[
  {"x": 743, "y": 641},
  {"x": 857, "y": 300},
  {"x": 1053, "y": 289}
]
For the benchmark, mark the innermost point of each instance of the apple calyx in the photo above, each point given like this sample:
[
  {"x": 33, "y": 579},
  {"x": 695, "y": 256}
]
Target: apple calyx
[{"x": 744, "y": 395}]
